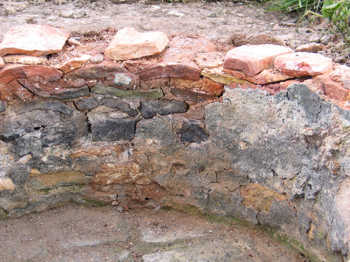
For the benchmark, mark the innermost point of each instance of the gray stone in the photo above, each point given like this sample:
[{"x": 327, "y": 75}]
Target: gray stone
[
  {"x": 86, "y": 104},
  {"x": 2, "y": 106},
  {"x": 192, "y": 133},
  {"x": 163, "y": 107},
  {"x": 119, "y": 104},
  {"x": 104, "y": 128},
  {"x": 19, "y": 174}
]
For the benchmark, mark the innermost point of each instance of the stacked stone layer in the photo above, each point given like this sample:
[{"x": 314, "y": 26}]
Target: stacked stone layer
[{"x": 258, "y": 132}]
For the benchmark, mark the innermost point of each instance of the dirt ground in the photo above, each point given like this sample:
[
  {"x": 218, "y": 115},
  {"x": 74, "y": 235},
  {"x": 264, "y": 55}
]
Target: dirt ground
[
  {"x": 76, "y": 233},
  {"x": 215, "y": 20}
]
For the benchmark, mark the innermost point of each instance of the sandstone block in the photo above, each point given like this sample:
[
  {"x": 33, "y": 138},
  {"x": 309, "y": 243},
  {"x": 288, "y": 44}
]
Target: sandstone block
[
  {"x": 6, "y": 184},
  {"x": 252, "y": 59},
  {"x": 130, "y": 44},
  {"x": 204, "y": 86},
  {"x": 303, "y": 64},
  {"x": 36, "y": 40},
  {"x": 74, "y": 63},
  {"x": 25, "y": 59},
  {"x": 266, "y": 76}
]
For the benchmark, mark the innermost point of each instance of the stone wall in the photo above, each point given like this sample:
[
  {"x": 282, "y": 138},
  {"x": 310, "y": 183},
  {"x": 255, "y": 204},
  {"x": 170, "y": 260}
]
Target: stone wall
[{"x": 257, "y": 132}]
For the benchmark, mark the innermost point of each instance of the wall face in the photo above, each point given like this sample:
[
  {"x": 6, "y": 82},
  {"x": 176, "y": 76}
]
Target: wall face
[{"x": 150, "y": 133}]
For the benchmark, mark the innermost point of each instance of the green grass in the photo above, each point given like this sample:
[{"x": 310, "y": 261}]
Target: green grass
[{"x": 336, "y": 11}]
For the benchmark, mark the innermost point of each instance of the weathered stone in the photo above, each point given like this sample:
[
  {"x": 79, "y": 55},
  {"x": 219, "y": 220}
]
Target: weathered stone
[
  {"x": 311, "y": 47},
  {"x": 73, "y": 63},
  {"x": 191, "y": 132},
  {"x": 19, "y": 174},
  {"x": 112, "y": 91},
  {"x": 130, "y": 44},
  {"x": 2, "y": 62},
  {"x": 252, "y": 59},
  {"x": 13, "y": 91},
  {"x": 54, "y": 90},
  {"x": 124, "y": 80},
  {"x": 25, "y": 59},
  {"x": 178, "y": 60},
  {"x": 86, "y": 104},
  {"x": 96, "y": 59},
  {"x": 303, "y": 64},
  {"x": 54, "y": 180},
  {"x": 155, "y": 83},
  {"x": 209, "y": 60},
  {"x": 101, "y": 71},
  {"x": 119, "y": 104},
  {"x": 163, "y": 107},
  {"x": 6, "y": 184},
  {"x": 189, "y": 95},
  {"x": 203, "y": 86},
  {"x": 36, "y": 40},
  {"x": 41, "y": 125},
  {"x": 266, "y": 76},
  {"x": 2, "y": 106},
  {"x": 218, "y": 75},
  {"x": 170, "y": 70},
  {"x": 104, "y": 128},
  {"x": 31, "y": 72}
]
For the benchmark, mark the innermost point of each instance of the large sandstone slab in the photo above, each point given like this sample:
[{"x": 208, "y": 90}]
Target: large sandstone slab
[
  {"x": 303, "y": 64},
  {"x": 130, "y": 44},
  {"x": 35, "y": 40},
  {"x": 252, "y": 59},
  {"x": 178, "y": 61}
]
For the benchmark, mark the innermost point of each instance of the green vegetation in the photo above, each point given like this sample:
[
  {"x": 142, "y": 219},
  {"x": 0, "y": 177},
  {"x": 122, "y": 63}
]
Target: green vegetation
[{"x": 337, "y": 11}]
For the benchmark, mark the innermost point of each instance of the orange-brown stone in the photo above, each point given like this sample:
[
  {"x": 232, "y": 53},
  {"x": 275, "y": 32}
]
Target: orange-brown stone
[
  {"x": 252, "y": 59},
  {"x": 130, "y": 44},
  {"x": 36, "y": 40},
  {"x": 205, "y": 86},
  {"x": 303, "y": 64}
]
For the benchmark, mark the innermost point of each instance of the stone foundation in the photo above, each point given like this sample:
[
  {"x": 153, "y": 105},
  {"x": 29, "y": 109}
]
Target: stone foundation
[{"x": 260, "y": 134}]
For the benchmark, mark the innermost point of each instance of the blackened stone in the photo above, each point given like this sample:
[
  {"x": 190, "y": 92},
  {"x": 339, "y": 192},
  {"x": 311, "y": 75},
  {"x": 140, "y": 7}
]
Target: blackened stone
[
  {"x": 163, "y": 107},
  {"x": 104, "y": 128},
  {"x": 192, "y": 133},
  {"x": 85, "y": 104},
  {"x": 119, "y": 104},
  {"x": 2, "y": 106}
]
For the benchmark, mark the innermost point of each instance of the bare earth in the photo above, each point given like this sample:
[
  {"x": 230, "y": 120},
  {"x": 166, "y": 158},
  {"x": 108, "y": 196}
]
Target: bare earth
[
  {"x": 77, "y": 233},
  {"x": 219, "y": 21}
]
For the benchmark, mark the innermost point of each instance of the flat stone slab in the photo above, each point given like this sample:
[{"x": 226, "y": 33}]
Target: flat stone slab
[
  {"x": 130, "y": 44},
  {"x": 35, "y": 40},
  {"x": 303, "y": 64},
  {"x": 252, "y": 59}
]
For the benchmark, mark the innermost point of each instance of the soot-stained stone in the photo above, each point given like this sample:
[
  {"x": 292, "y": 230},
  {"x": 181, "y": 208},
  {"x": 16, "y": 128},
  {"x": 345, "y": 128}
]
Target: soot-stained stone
[
  {"x": 163, "y": 107},
  {"x": 192, "y": 133},
  {"x": 119, "y": 104},
  {"x": 104, "y": 128},
  {"x": 2, "y": 106},
  {"x": 86, "y": 104}
]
